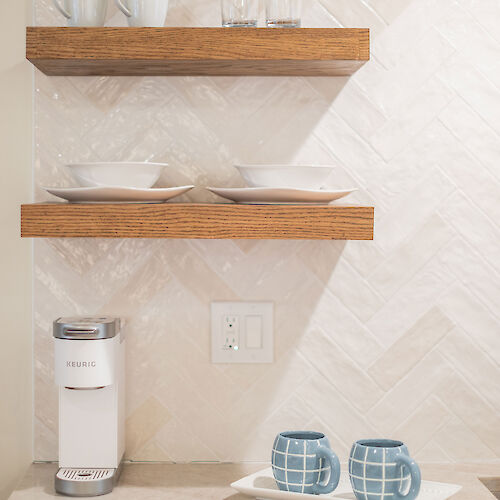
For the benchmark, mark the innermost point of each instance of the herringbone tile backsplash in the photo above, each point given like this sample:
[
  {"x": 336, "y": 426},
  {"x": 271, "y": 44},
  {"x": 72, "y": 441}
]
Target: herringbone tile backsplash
[{"x": 399, "y": 337}]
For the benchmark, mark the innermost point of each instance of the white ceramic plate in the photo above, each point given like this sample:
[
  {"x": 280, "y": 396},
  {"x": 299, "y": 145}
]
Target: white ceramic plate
[
  {"x": 262, "y": 485},
  {"x": 292, "y": 176},
  {"x": 141, "y": 175},
  {"x": 118, "y": 194},
  {"x": 280, "y": 195}
]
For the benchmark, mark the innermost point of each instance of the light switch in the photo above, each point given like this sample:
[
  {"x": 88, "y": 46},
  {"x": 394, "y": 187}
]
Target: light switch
[
  {"x": 253, "y": 332},
  {"x": 242, "y": 332}
]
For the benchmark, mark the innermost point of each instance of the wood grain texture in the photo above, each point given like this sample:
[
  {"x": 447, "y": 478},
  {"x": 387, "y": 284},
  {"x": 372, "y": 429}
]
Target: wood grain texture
[
  {"x": 197, "y": 51},
  {"x": 196, "y": 221}
]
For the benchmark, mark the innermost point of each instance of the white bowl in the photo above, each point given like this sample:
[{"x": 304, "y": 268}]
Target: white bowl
[
  {"x": 124, "y": 174},
  {"x": 285, "y": 176}
]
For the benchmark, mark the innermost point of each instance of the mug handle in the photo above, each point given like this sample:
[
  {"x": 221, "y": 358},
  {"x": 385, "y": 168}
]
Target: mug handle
[
  {"x": 333, "y": 460},
  {"x": 61, "y": 9},
  {"x": 123, "y": 8},
  {"x": 416, "y": 478}
]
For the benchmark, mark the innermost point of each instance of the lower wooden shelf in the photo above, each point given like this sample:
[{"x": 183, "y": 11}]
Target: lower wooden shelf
[{"x": 197, "y": 221}]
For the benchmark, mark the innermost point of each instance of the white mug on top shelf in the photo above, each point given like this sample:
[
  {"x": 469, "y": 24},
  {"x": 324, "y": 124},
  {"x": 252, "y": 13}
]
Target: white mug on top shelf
[
  {"x": 83, "y": 12},
  {"x": 140, "y": 13}
]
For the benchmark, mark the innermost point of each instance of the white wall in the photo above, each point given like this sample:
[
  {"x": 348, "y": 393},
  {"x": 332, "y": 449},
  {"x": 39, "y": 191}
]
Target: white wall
[
  {"x": 15, "y": 254},
  {"x": 398, "y": 337}
]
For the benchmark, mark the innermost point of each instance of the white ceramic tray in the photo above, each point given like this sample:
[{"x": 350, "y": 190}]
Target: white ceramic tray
[
  {"x": 118, "y": 194},
  {"x": 262, "y": 486}
]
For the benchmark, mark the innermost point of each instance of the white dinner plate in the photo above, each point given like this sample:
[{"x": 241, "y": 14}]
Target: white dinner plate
[
  {"x": 262, "y": 486},
  {"x": 118, "y": 194},
  {"x": 280, "y": 195}
]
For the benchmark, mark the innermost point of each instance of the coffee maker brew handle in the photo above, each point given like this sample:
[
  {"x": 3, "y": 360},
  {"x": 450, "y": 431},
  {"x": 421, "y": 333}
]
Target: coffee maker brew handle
[
  {"x": 123, "y": 8},
  {"x": 61, "y": 9},
  {"x": 333, "y": 481},
  {"x": 416, "y": 477}
]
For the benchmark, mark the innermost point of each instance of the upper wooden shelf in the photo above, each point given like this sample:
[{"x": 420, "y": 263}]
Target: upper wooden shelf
[
  {"x": 201, "y": 221},
  {"x": 197, "y": 51}
]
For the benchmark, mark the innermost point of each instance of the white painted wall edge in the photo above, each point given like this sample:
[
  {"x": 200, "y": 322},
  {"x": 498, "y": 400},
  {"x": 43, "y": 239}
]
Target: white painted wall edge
[{"x": 16, "y": 346}]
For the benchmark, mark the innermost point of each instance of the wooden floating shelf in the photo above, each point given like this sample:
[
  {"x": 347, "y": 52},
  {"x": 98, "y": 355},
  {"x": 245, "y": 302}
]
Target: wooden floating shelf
[
  {"x": 197, "y": 51},
  {"x": 191, "y": 220}
]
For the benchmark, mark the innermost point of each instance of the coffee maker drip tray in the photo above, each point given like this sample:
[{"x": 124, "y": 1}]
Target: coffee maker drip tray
[{"x": 85, "y": 482}]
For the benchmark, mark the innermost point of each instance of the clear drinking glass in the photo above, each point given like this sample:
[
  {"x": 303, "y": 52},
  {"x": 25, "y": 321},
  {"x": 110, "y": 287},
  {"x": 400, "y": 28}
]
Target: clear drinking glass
[
  {"x": 240, "y": 13},
  {"x": 283, "y": 13}
]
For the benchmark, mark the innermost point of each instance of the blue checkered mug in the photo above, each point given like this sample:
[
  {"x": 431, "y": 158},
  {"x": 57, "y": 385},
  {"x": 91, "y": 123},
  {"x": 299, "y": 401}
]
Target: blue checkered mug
[
  {"x": 381, "y": 469},
  {"x": 303, "y": 462}
]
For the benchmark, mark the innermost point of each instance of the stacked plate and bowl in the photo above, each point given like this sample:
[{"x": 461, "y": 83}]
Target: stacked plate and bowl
[
  {"x": 118, "y": 182},
  {"x": 283, "y": 184}
]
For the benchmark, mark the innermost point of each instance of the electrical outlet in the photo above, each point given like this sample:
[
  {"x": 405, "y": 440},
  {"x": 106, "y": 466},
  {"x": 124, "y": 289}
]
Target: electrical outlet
[
  {"x": 242, "y": 332},
  {"x": 230, "y": 338}
]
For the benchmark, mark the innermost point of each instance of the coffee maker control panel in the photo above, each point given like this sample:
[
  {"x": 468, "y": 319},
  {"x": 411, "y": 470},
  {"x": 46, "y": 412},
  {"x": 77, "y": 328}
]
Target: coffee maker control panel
[{"x": 86, "y": 328}]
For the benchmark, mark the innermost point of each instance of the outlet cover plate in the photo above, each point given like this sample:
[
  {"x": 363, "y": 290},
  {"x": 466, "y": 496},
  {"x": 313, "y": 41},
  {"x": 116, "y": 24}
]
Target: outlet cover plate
[{"x": 247, "y": 325}]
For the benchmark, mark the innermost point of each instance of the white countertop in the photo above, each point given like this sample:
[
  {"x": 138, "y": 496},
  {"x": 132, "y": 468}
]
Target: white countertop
[{"x": 211, "y": 481}]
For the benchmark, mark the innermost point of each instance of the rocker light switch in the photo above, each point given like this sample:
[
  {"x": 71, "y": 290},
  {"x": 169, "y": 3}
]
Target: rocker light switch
[
  {"x": 253, "y": 332},
  {"x": 242, "y": 332}
]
